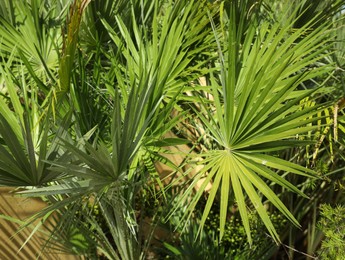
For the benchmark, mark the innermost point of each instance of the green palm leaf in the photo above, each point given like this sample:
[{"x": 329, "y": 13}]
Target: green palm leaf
[{"x": 257, "y": 108}]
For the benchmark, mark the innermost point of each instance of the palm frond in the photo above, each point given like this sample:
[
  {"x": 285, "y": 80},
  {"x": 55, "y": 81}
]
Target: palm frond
[{"x": 257, "y": 104}]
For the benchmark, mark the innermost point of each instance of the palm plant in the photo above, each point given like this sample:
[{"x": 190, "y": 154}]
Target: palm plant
[
  {"x": 85, "y": 113},
  {"x": 25, "y": 129},
  {"x": 30, "y": 33},
  {"x": 257, "y": 110},
  {"x": 107, "y": 164}
]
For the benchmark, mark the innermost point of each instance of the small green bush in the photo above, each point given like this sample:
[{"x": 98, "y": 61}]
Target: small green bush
[{"x": 332, "y": 224}]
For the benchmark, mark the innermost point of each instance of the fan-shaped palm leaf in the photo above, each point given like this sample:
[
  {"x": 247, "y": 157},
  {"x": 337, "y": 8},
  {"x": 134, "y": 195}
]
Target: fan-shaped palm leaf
[{"x": 257, "y": 108}]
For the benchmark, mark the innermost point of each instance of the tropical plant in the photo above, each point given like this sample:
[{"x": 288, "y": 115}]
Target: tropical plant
[
  {"x": 88, "y": 112},
  {"x": 107, "y": 164},
  {"x": 257, "y": 109}
]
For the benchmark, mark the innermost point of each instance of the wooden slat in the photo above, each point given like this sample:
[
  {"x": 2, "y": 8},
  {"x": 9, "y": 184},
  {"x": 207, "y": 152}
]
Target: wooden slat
[{"x": 21, "y": 208}]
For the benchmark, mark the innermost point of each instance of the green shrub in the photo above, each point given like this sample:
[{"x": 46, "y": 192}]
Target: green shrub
[{"x": 332, "y": 224}]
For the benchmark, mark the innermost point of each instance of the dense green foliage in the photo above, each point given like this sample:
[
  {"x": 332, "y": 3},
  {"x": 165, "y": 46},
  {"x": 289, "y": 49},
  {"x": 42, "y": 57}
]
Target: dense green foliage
[
  {"x": 176, "y": 128},
  {"x": 332, "y": 223}
]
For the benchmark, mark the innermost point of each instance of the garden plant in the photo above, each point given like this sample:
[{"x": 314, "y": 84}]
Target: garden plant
[{"x": 241, "y": 102}]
